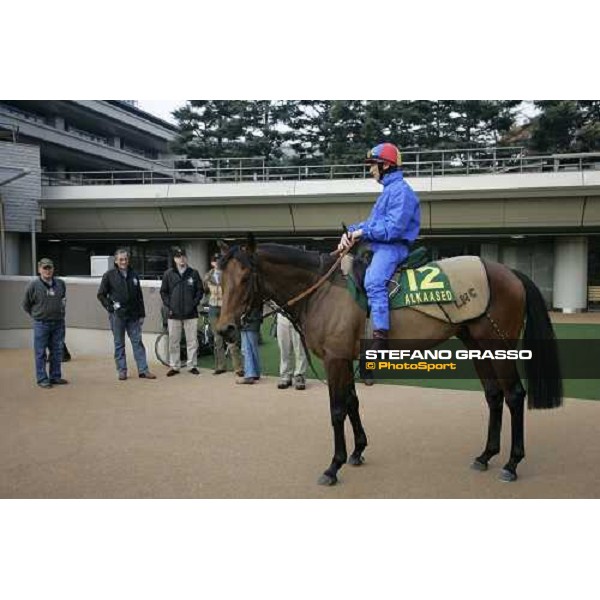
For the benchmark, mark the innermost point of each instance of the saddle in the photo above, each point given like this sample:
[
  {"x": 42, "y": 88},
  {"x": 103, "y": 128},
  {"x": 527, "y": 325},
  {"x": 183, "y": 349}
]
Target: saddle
[
  {"x": 453, "y": 290},
  {"x": 360, "y": 263}
]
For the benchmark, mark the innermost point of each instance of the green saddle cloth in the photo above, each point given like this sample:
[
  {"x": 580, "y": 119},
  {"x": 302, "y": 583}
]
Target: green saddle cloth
[{"x": 413, "y": 283}]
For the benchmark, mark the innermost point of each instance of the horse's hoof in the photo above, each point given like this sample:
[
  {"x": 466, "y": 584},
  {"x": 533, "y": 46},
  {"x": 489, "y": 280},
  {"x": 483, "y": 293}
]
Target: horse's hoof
[
  {"x": 479, "y": 466},
  {"x": 506, "y": 475},
  {"x": 356, "y": 461},
  {"x": 327, "y": 479}
]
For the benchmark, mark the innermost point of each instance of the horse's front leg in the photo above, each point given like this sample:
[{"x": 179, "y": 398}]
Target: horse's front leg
[
  {"x": 360, "y": 437},
  {"x": 339, "y": 377}
]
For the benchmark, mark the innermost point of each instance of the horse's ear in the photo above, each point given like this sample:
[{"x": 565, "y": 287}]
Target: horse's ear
[
  {"x": 223, "y": 247},
  {"x": 251, "y": 244}
]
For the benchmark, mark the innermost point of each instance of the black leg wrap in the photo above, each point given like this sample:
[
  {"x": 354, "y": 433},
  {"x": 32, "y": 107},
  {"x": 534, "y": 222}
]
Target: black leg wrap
[{"x": 515, "y": 401}]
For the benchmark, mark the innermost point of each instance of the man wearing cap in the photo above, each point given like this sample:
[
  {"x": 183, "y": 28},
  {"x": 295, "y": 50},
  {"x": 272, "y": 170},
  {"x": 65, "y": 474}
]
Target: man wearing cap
[
  {"x": 212, "y": 287},
  {"x": 181, "y": 292},
  {"x": 45, "y": 300},
  {"x": 390, "y": 230},
  {"x": 120, "y": 293}
]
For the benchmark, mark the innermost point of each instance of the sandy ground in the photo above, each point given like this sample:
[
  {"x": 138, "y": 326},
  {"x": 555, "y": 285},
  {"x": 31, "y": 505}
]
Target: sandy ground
[
  {"x": 582, "y": 318},
  {"x": 204, "y": 437}
]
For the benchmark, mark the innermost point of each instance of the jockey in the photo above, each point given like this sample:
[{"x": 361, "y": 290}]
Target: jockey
[{"x": 391, "y": 228}]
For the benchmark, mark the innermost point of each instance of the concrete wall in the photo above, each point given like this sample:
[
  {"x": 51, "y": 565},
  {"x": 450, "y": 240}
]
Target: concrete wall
[
  {"x": 13, "y": 253},
  {"x": 550, "y": 201},
  {"x": 84, "y": 311},
  {"x": 570, "y": 274},
  {"x": 21, "y": 197},
  {"x": 534, "y": 260},
  {"x": 81, "y": 342},
  {"x": 88, "y": 331}
]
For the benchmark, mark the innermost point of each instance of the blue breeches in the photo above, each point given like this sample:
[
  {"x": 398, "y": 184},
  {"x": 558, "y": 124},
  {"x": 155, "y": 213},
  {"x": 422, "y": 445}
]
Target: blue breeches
[{"x": 385, "y": 261}]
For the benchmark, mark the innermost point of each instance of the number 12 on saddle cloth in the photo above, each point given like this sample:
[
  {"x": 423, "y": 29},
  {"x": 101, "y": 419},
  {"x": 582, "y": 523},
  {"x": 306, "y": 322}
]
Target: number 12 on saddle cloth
[
  {"x": 425, "y": 285},
  {"x": 460, "y": 283},
  {"x": 452, "y": 289}
]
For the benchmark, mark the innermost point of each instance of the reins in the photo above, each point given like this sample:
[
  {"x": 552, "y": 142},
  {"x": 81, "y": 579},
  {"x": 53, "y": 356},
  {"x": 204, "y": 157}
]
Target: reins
[
  {"x": 283, "y": 309},
  {"x": 315, "y": 285},
  {"x": 256, "y": 290}
]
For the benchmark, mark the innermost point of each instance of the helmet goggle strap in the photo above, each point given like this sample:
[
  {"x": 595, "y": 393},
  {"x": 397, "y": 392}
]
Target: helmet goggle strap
[{"x": 381, "y": 171}]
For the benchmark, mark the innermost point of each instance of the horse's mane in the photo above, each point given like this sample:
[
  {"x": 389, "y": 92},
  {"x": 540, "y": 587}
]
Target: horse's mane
[
  {"x": 283, "y": 255},
  {"x": 288, "y": 255}
]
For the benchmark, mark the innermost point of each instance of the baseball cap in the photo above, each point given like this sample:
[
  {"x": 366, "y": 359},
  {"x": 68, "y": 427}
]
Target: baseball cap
[
  {"x": 45, "y": 262},
  {"x": 177, "y": 251}
]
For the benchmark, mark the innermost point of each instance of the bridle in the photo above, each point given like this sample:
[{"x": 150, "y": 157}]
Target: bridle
[{"x": 256, "y": 295}]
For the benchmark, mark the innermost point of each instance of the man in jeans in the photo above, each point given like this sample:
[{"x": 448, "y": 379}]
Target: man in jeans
[
  {"x": 120, "y": 293},
  {"x": 44, "y": 301},
  {"x": 249, "y": 332},
  {"x": 181, "y": 292}
]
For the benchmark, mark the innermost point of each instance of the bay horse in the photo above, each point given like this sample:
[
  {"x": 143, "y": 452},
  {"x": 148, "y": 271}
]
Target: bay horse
[{"x": 333, "y": 324}]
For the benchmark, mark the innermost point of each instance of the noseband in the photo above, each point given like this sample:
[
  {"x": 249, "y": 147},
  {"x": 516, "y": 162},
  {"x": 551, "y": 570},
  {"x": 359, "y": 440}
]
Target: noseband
[{"x": 254, "y": 293}]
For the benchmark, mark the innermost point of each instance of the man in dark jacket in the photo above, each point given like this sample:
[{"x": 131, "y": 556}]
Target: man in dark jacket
[
  {"x": 44, "y": 301},
  {"x": 120, "y": 293},
  {"x": 181, "y": 292}
]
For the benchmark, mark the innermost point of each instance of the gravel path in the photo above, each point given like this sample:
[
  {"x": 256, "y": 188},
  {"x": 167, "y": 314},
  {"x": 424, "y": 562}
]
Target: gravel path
[{"x": 204, "y": 437}]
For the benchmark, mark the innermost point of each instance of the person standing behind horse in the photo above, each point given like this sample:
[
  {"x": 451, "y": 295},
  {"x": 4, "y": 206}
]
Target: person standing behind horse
[
  {"x": 292, "y": 355},
  {"x": 390, "y": 230},
  {"x": 120, "y": 293},
  {"x": 249, "y": 332},
  {"x": 44, "y": 301},
  {"x": 181, "y": 292},
  {"x": 212, "y": 287}
]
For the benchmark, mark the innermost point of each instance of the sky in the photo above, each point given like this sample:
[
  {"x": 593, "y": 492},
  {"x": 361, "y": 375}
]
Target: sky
[{"x": 161, "y": 108}]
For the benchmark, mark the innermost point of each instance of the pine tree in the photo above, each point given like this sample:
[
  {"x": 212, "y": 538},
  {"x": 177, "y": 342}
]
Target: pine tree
[
  {"x": 566, "y": 125},
  {"x": 210, "y": 129},
  {"x": 266, "y": 128}
]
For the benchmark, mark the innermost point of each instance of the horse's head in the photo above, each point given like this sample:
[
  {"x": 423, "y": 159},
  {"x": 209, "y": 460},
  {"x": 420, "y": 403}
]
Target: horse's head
[{"x": 239, "y": 280}]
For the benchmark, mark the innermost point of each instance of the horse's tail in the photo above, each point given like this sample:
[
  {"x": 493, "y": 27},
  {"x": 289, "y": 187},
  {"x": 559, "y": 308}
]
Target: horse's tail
[{"x": 544, "y": 381}]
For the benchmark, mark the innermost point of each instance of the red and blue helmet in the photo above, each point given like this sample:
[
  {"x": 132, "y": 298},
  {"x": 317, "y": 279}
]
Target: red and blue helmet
[{"x": 386, "y": 153}]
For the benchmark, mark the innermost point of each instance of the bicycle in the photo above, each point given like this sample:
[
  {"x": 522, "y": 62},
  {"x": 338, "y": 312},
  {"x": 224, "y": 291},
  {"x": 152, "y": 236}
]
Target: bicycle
[{"x": 206, "y": 340}]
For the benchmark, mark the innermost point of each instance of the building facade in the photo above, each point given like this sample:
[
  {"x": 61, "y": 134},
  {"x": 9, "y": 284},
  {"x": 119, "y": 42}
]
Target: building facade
[
  {"x": 65, "y": 142},
  {"x": 97, "y": 175}
]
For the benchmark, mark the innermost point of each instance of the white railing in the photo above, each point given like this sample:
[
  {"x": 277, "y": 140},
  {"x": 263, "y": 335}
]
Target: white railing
[{"x": 431, "y": 163}]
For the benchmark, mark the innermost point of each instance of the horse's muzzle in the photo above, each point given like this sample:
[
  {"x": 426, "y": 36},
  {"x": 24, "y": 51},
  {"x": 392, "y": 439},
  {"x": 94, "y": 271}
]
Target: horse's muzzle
[{"x": 228, "y": 332}]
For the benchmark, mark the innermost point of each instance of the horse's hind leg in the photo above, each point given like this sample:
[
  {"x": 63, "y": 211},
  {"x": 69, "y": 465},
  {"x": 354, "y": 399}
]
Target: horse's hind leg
[
  {"x": 515, "y": 399},
  {"x": 340, "y": 378},
  {"x": 360, "y": 437},
  {"x": 514, "y": 394},
  {"x": 494, "y": 397}
]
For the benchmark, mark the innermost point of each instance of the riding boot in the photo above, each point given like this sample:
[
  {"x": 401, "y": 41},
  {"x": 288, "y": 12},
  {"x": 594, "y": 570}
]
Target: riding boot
[{"x": 380, "y": 339}]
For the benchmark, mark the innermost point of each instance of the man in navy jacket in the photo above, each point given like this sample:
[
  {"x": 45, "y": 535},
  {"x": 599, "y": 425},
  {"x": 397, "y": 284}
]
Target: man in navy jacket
[
  {"x": 120, "y": 293},
  {"x": 181, "y": 292}
]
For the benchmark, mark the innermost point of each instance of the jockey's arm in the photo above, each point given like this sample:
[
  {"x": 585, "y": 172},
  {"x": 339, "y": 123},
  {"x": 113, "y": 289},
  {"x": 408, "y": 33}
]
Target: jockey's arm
[
  {"x": 392, "y": 227},
  {"x": 348, "y": 239}
]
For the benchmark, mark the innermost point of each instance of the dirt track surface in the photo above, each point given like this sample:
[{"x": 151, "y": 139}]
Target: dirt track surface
[{"x": 205, "y": 437}]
